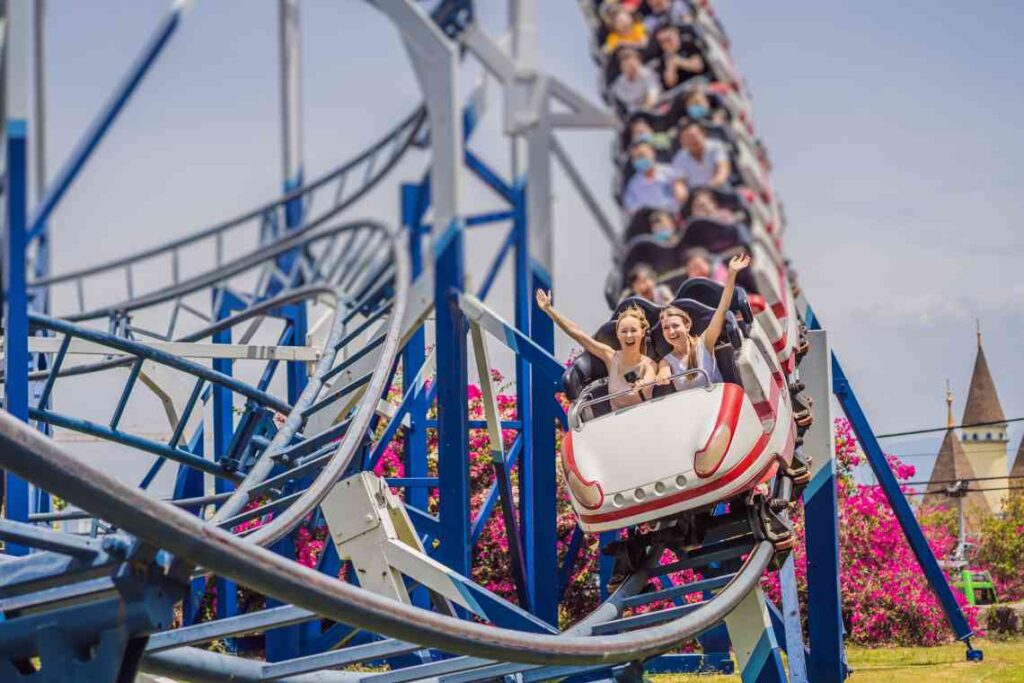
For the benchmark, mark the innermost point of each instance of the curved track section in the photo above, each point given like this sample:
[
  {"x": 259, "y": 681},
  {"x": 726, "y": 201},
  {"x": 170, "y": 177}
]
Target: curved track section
[
  {"x": 157, "y": 275},
  {"x": 315, "y": 437},
  {"x": 28, "y": 453}
]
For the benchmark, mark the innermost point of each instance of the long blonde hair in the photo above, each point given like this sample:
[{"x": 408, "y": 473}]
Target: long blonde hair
[
  {"x": 670, "y": 311},
  {"x": 634, "y": 311}
]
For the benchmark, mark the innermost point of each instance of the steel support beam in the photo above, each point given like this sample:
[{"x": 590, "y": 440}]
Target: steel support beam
[
  {"x": 435, "y": 60},
  {"x": 15, "y": 298},
  {"x": 826, "y": 661}
]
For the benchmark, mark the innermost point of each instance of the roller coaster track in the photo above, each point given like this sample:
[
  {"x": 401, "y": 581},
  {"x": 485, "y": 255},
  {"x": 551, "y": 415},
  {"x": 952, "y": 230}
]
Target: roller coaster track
[
  {"x": 264, "y": 229},
  {"x": 286, "y": 456}
]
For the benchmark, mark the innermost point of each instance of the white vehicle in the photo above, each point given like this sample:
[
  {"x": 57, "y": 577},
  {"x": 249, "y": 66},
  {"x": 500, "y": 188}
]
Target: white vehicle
[{"x": 680, "y": 451}]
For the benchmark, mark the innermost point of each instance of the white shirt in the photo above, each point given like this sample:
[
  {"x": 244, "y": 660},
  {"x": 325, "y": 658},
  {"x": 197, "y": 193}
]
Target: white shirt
[
  {"x": 653, "y": 192},
  {"x": 633, "y": 92},
  {"x": 699, "y": 173}
]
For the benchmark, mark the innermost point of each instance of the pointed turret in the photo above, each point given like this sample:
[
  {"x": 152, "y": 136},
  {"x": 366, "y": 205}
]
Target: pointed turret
[
  {"x": 952, "y": 465},
  {"x": 982, "y": 400},
  {"x": 1017, "y": 472},
  {"x": 986, "y": 444}
]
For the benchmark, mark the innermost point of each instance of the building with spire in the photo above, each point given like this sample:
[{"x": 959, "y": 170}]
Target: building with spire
[
  {"x": 1017, "y": 472},
  {"x": 951, "y": 466},
  {"x": 986, "y": 444}
]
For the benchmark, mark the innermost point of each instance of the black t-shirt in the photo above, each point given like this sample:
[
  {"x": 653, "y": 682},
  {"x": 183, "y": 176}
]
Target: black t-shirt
[{"x": 686, "y": 50}]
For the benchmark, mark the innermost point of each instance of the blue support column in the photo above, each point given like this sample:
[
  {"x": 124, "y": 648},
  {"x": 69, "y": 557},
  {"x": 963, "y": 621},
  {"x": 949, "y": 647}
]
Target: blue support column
[
  {"x": 542, "y": 539},
  {"x": 223, "y": 431},
  {"x": 15, "y": 309},
  {"x": 413, "y": 202},
  {"x": 15, "y": 493},
  {"x": 452, "y": 376},
  {"x": 524, "y": 397}
]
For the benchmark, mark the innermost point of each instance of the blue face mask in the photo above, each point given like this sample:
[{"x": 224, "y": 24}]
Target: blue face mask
[
  {"x": 645, "y": 137},
  {"x": 697, "y": 111},
  {"x": 643, "y": 164},
  {"x": 662, "y": 236}
]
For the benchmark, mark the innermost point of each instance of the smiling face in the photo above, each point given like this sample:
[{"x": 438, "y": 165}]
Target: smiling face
[
  {"x": 630, "y": 332},
  {"x": 676, "y": 330}
]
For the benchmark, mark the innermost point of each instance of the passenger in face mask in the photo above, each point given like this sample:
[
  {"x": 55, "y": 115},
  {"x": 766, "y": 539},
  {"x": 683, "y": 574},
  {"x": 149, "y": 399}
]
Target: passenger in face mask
[
  {"x": 652, "y": 183},
  {"x": 698, "y": 108},
  {"x": 663, "y": 227},
  {"x": 640, "y": 130}
]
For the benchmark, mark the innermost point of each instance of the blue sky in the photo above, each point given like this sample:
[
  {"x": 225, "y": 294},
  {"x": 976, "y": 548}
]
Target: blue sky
[{"x": 892, "y": 127}]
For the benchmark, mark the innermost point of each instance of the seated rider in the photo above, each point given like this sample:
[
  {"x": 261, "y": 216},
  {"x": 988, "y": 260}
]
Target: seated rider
[
  {"x": 628, "y": 367},
  {"x": 696, "y": 353},
  {"x": 642, "y": 281}
]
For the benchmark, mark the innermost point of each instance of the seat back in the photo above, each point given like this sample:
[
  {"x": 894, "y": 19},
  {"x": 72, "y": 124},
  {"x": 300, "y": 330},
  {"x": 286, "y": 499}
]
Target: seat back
[
  {"x": 660, "y": 256},
  {"x": 713, "y": 235},
  {"x": 709, "y": 293},
  {"x": 700, "y": 314}
]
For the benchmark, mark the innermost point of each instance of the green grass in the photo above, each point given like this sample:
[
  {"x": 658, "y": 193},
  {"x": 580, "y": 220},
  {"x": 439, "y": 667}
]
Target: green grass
[{"x": 1004, "y": 663}]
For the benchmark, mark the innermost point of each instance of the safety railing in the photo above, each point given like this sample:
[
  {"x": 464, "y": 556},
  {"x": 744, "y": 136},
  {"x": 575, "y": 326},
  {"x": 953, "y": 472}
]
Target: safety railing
[
  {"x": 587, "y": 400},
  {"x": 162, "y": 268}
]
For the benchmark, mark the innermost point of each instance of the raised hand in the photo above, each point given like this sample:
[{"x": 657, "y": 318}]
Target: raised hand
[
  {"x": 739, "y": 262},
  {"x": 544, "y": 300}
]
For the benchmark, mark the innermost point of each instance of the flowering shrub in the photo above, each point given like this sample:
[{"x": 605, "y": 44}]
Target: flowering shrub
[
  {"x": 1001, "y": 551},
  {"x": 886, "y": 598}
]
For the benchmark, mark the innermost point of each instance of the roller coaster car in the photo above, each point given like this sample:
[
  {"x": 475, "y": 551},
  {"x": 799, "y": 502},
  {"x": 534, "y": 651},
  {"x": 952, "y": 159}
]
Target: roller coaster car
[{"x": 679, "y": 451}]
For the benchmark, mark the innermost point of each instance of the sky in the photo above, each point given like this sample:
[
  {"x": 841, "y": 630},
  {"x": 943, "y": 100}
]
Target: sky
[{"x": 892, "y": 128}]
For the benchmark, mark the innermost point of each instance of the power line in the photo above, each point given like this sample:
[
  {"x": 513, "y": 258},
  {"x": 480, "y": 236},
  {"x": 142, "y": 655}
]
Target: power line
[
  {"x": 954, "y": 481},
  {"x": 946, "y": 493},
  {"x": 942, "y": 429}
]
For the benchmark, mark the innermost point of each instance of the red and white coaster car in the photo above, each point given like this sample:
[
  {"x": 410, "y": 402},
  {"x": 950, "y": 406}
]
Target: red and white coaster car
[{"x": 684, "y": 451}]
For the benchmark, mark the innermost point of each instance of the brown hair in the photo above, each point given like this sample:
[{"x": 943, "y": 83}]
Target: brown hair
[{"x": 670, "y": 311}]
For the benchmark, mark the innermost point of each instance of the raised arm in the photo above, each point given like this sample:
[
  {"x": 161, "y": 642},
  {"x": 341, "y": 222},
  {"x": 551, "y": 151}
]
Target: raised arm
[
  {"x": 602, "y": 351},
  {"x": 714, "y": 331}
]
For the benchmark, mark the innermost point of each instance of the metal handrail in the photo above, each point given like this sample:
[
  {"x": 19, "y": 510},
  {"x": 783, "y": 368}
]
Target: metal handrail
[
  {"x": 582, "y": 402},
  {"x": 256, "y": 258}
]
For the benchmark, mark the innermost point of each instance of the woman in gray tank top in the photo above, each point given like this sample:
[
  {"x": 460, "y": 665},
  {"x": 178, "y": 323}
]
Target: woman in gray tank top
[{"x": 696, "y": 353}]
